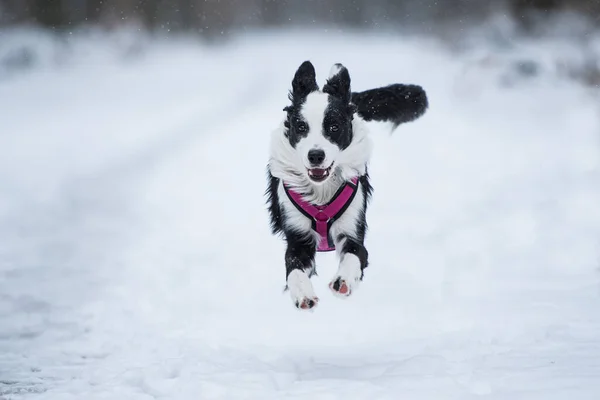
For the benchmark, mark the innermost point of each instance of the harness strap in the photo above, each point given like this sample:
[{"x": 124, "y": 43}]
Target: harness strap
[{"x": 323, "y": 216}]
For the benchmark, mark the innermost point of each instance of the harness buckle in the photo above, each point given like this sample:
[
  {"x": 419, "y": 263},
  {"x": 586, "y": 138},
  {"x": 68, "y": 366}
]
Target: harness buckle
[{"x": 321, "y": 216}]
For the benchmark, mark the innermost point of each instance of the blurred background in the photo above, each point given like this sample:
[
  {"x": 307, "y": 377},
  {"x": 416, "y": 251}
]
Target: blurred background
[{"x": 219, "y": 17}]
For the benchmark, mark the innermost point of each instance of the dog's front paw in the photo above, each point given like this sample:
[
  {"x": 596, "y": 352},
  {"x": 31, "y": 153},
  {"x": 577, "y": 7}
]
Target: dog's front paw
[
  {"x": 342, "y": 287},
  {"x": 307, "y": 303},
  {"x": 348, "y": 277},
  {"x": 301, "y": 290}
]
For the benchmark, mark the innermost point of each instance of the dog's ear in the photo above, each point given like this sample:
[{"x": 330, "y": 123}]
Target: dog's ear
[
  {"x": 305, "y": 81},
  {"x": 395, "y": 103},
  {"x": 338, "y": 83}
]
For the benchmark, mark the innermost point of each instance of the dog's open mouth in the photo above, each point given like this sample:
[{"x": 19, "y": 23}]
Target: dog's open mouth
[{"x": 319, "y": 174}]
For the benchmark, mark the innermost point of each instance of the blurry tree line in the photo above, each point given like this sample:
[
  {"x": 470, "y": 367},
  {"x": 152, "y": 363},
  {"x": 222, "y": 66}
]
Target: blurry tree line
[{"x": 218, "y": 16}]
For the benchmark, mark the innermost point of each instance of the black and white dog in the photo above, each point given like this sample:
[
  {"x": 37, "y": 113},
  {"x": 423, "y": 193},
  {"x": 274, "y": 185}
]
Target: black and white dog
[{"x": 318, "y": 187}]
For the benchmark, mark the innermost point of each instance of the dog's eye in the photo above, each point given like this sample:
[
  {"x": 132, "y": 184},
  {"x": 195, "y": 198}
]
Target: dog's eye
[
  {"x": 333, "y": 128},
  {"x": 301, "y": 127}
]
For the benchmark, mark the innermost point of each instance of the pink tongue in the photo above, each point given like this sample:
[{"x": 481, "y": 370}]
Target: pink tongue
[{"x": 318, "y": 172}]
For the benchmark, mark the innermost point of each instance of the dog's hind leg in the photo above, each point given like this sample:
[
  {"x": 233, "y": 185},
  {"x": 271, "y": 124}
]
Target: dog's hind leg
[
  {"x": 353, "y": 261},
  {"x": 300, "y": 265}
]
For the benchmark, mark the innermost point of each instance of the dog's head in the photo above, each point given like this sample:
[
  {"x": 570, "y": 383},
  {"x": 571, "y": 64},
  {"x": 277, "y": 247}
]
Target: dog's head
[
  {"x": 323, "y": 139},
  {"x": 319, "y": 124}
]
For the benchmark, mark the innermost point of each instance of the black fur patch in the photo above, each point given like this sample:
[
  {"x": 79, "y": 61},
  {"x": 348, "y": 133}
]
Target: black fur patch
[
  {"x": 297, "y": 128},
  {"x": 303, "y": 84},
  {"x": 275, "y": 214},
  {"x": 395, "y": 103},
  {"x": 367, "y": 190},
  {"x": 300, "y": 252},
  {"x": 338, "y": 85},
  {"x": 337, "y": 123},
  {"x": 353, "y": 246}
]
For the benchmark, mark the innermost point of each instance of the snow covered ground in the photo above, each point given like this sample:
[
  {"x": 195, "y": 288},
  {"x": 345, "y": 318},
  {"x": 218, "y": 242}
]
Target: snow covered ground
[{"x": 136, "y": 260}]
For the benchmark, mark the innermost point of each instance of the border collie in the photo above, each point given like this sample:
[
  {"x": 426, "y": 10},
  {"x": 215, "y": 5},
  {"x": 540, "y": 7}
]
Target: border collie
[{"x": 318, "y": 183}]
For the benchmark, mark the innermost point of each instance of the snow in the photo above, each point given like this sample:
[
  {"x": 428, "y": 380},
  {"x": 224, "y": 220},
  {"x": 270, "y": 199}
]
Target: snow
[{"x": 137, "y": 263}]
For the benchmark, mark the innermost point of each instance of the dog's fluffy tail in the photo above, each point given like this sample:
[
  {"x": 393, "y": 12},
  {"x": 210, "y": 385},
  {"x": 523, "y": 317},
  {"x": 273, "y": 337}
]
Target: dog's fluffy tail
[{"x": 395, "y": 103}]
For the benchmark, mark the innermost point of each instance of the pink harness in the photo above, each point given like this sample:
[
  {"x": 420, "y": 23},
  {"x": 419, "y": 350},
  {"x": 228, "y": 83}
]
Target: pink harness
[{"x": 323, "y": 217}]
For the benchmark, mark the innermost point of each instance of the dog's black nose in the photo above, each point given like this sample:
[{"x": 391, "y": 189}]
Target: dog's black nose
[{"x": 316, "y": 157}]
